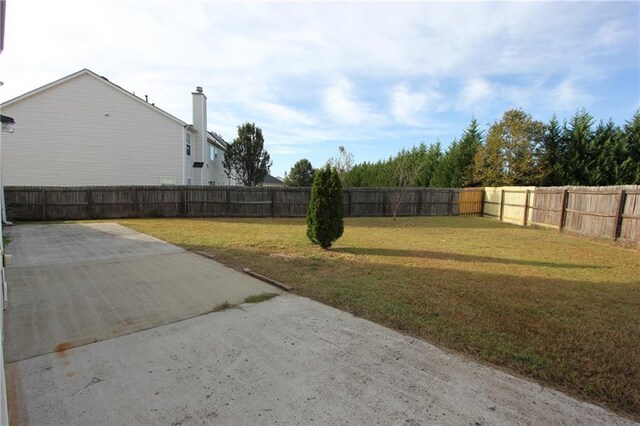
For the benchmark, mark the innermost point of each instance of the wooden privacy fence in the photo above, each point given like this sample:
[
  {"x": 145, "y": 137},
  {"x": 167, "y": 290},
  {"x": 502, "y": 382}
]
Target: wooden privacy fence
[
  {"x": 609, "y": 212},
  {"x": 68, "y": 203}
]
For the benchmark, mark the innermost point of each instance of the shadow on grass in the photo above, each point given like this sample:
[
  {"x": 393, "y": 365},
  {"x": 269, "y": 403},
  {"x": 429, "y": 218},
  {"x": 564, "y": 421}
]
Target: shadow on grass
[
  {"x": 437, "y": 255},
  {"x": 435, "y": 221}
]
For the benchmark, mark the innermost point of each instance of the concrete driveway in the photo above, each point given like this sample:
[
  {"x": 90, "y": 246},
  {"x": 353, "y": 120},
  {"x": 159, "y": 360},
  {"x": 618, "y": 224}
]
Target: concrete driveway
[
  {"x": 73, "y": 284},
  {"x": 288, "y": 360}
]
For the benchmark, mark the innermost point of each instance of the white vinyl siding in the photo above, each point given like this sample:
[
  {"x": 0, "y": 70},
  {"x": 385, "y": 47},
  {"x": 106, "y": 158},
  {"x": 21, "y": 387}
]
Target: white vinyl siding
[
  {"x": 84, "y": 131},
  {"x": 216, "y": 172}
]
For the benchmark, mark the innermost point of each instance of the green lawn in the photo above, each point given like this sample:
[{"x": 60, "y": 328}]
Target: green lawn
[{"x": 560, "y": 309}]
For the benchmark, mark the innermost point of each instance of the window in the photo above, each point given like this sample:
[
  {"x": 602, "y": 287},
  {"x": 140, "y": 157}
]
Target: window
[
  {"x": 167, "y": 180},
  {"x": 188, "y": 140},
  {"x": 213, "y": 152},
  {"x": 188, "y": 181}
]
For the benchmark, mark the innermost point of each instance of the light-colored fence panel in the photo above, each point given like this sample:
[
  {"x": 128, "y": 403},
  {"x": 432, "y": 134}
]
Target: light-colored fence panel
[
  {"x": 492, "y": 200},
  {"x": 609, "y": 212},
  {"x": 509, "y": 203}
]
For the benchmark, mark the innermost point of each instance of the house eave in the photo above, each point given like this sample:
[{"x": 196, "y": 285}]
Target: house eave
[{"x": 97, "y": 77}]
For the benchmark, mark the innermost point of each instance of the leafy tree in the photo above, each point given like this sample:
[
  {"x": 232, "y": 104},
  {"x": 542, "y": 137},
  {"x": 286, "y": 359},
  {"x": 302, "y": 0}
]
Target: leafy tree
[
  {"x": 301, "y": 174},
  {"x": 630, "y": 167},
  {"x": 488, "y": 165},
  {"x": 404, "y": 171},
  {"x": 325, "y": 213},
  {"x": 245, "y": 159},
  {"x": 343, "y": 162},
  {"x": 510, "y": 155}
]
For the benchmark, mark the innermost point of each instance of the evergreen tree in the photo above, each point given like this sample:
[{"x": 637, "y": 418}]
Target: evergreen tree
[
  {"x": 456, "y": 168},
  {"x": 445, "y": 171},
  {"x": 468, "y": 146},
  {"x": 552, "y": 154},
  {"x": 630, "y": 168},
  {"x": 432, "y": 157},
  {"x": 578, "y": 135},
  {"x": 325, "y": 213},
  {"x": 605, "y": 155}
]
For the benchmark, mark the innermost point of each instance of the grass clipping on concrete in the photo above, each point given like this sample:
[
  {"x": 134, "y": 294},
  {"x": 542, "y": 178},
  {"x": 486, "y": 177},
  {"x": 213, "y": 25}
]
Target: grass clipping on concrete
[
  {"x": 562, "y": 310},
  {"x": 256, "y": 298}
]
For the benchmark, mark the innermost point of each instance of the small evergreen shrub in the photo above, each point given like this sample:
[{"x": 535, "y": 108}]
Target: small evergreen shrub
[{"x": 325, "y": 213}]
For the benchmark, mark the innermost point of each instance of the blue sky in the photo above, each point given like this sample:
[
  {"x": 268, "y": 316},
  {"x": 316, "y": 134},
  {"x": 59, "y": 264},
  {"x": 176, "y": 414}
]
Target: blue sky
[{"x": 375, "y": 77}]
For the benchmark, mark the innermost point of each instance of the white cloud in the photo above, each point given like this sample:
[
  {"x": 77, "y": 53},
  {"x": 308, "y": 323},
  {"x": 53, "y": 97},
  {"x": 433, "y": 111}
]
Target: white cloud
[
  {"x": 476, "y": 91},
  {"x": 283, "y": 114},
  {"x": 408, "y": 107},
  {"x": 341, "y": 104},
  {"x": 567, "y": 97}
]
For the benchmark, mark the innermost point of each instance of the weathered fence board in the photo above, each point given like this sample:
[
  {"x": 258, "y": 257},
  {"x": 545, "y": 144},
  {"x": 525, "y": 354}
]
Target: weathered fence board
[
  {"x": 611, "y": 212},
  {"x": 56, "y": 203}
]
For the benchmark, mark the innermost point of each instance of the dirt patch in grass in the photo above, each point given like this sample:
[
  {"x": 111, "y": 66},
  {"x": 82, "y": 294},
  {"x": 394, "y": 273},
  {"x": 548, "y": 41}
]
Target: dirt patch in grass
[{"x": 562, "y": 310}]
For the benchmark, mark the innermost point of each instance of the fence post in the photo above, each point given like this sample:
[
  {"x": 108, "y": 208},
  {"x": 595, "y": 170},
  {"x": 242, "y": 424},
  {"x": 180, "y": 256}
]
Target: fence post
[
  {"x": 526, "y": 208},
  {"x": 419, "y": 210},
  {"x": 227, "y": 202},
  {"x": 349, "y": 201},
  {"x": 501, "y": 203},
  {"x": 450, "y": 201},
  {"x": 482, "y": 197},
  {"x": 619, "y": 210},
  {"x": 563, "y": 208},
  {"x": 43, "y": 194}
]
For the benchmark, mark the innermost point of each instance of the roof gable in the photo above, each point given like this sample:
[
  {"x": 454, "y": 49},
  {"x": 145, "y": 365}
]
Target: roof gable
[{"x": 99, "y": 78}]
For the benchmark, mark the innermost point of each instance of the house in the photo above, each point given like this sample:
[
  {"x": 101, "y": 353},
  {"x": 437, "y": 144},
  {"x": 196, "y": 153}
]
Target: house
[
  {"x": 271, "y": 181},
  {"x": 84, "y": 130}
]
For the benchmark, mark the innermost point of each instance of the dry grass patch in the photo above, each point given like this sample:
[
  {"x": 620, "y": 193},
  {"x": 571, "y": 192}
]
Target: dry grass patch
[{"x": 559, "y": 309}]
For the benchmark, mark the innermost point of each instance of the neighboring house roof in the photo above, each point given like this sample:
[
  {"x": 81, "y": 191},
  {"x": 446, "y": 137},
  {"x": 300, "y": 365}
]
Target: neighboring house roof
[
  {"x": 217, "y": 140},
  {"x": 99, "y": 78},
  {"x": 271, "y": 180}
]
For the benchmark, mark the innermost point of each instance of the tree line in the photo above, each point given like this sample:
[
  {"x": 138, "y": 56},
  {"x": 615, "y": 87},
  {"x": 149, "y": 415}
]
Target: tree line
[{"x": 515, "y": 150}]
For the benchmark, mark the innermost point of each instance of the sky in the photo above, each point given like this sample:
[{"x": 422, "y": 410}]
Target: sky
[{"x": 374, "y": 77}]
